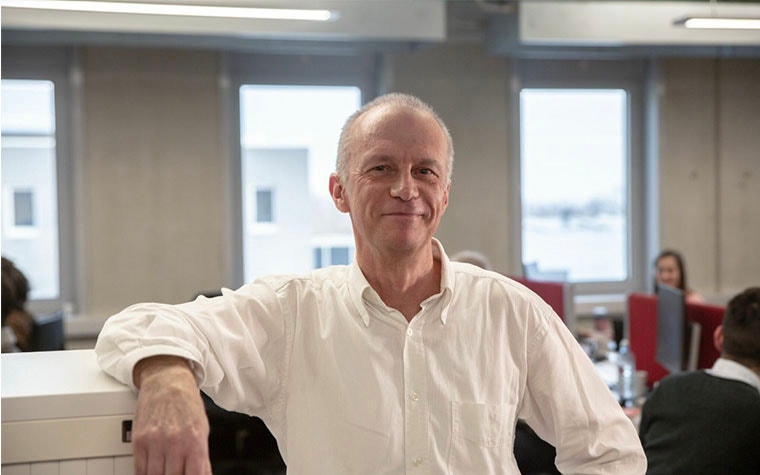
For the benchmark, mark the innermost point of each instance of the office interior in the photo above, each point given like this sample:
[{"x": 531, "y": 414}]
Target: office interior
[
  {"x": 149, "y": 154},
  {"x": 147, "y": 145}
]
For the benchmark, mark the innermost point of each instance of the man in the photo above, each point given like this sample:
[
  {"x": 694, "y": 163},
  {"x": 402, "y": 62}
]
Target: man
[
  {"x": 708, "y": 422},
  {"x": 402, "y": 362}
]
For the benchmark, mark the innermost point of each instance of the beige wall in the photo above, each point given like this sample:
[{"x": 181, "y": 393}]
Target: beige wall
[
  {"x": 154, "y": 197},
  {"x": 709, "y": 180},
  {"x": 152, "y": 177}
]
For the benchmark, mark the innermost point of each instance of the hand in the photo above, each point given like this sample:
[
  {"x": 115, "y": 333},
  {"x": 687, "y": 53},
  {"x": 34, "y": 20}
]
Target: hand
[{"x": 170, "y": 430}]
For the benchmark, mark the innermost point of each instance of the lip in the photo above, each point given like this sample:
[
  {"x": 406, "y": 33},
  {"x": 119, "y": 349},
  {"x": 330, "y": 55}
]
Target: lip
[{"x": 403, "y": 214}]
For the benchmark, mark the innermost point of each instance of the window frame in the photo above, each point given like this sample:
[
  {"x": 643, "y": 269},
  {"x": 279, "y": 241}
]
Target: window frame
[
  {"x": 323, "y": 68},
  {"x": 628, "y": 75},
  {"x": 57, "y": 65}
]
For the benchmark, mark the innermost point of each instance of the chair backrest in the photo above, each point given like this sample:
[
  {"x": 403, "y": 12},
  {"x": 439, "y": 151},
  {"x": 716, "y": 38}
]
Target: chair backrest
[
  {"x": 47, "y": 334},
  {"x": 642, "y": 331},
  {"x": 709, "y": 317},
  {"x": 642, "y": 335},
  {"x": 553, "y": 293}
]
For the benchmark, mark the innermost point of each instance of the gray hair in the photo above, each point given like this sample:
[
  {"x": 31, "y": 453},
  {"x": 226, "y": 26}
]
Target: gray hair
[{"x": 392, "y": 99}]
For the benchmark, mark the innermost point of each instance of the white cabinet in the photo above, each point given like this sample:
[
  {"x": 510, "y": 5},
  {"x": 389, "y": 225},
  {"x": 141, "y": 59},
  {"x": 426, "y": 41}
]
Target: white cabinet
[{"x": 62, "y": 415}]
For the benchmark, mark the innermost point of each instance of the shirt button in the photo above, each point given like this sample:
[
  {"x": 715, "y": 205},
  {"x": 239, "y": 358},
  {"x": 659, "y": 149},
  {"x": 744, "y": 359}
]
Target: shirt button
[
  {"x": 414, "y": 396},
  {"x": 409, "y": 332},
  {"x": 418, "y": 461}
]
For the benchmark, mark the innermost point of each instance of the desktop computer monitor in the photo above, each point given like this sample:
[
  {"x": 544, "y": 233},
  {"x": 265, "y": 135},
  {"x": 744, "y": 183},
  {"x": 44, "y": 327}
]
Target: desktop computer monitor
[
  {"x": 677, "y": 340},
  {"x": 48, "y": 333}
]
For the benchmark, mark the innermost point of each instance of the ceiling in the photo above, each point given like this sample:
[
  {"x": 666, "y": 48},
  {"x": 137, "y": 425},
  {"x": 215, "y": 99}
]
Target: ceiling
[{"x": 511, "y": 27}]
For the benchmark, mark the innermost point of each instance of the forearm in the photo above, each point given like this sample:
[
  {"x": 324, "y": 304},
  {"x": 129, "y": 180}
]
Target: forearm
[{"x": 157, "y": 366}]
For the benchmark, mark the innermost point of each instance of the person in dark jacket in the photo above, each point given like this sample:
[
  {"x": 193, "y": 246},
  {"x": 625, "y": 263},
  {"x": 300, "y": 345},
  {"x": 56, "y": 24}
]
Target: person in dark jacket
[{"x": 708, "y": 421}]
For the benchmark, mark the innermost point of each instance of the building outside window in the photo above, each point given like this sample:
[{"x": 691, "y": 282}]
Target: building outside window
[{"x": 29, "y": 184}]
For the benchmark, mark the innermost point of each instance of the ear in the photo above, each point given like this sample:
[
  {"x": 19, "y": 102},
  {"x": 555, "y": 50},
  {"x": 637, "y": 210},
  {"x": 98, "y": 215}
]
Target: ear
[
  {"x": 338, "y": 193},
  {"x": 718, "y": 338},
  {"x": 446, "y": 195}
]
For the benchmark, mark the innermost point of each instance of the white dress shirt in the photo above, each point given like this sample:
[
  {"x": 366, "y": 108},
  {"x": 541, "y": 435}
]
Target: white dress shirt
[
  {"x": 728, "y": 369},
  {"x": 348, "y": 386}
]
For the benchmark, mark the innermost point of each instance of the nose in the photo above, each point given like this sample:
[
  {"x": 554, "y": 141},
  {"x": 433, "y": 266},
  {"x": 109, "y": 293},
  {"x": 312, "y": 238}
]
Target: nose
[{"x": 404, "y": 187}]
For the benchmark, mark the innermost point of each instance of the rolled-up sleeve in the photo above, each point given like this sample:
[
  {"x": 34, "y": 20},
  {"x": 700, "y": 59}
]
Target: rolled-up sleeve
[{"x": 236, "y": 343}]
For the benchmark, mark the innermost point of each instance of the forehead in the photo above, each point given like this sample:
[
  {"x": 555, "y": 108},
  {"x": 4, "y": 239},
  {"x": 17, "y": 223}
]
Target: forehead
[
  {"x": 400, "y": 126},
  {"x": 667, "y": 261}
]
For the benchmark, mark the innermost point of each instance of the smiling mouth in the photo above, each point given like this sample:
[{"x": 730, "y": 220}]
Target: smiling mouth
[{"x": 403, "y": 215}]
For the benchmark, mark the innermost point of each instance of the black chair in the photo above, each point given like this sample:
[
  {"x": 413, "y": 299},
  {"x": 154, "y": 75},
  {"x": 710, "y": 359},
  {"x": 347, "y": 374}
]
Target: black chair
[
  {"x": 47, "y": 333},
  {"x": 534, "y": 455},
  {"x": 240, "y": 444}
]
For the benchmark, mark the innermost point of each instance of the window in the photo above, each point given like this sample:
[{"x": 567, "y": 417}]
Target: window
[
  {"x": 327, "y": 256},
  {"x": 288, "y": 142},
  {"x": 574, "y": 187},
  {"x": 29, "y": 184},
  {"x": 23, "y": 209},
  {"x": 580, "y": 203},
  {"x": 264, "y": 206}
]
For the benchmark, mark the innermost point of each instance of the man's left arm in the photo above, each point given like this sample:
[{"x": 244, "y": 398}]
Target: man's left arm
[{"x": 568, "y": 405}]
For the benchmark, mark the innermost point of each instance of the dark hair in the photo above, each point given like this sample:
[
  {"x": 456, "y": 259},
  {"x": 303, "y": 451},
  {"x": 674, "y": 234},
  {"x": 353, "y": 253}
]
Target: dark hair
[
  {"x": 15, "y": 288},
  {"x": 679, "y": 262},
  {"x": 741, "y": 327}
]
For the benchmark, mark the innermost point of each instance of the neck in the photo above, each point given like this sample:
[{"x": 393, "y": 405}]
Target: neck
[{"x": 403, "y": 282}]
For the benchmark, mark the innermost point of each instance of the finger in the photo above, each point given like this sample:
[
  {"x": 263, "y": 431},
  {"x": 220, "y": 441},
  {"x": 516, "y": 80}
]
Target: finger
[
  {"x": 174, "y": 464},
  {"x": 198, "y": 465},
  {"x": 141, "y": 459},
  {"x": 155, "y": 463}
]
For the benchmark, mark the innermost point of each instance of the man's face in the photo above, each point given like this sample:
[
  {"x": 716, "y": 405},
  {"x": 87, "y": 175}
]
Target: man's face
[{"x": 397, "y": 187}]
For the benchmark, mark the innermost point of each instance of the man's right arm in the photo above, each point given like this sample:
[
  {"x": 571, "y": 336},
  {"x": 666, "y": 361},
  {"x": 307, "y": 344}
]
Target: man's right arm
[{"x": 170, "y": 429}]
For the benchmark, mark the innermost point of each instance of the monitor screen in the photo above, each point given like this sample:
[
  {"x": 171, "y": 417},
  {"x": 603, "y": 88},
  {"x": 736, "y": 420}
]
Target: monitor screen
[
  {"x": 48, "y": 334},
  {"x": 671, "y": 328}
]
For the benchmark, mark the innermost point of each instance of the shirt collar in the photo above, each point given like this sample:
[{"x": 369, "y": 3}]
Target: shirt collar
[
  {"x": 360, "y": 289},
  {"x": 725, "y": 368}
]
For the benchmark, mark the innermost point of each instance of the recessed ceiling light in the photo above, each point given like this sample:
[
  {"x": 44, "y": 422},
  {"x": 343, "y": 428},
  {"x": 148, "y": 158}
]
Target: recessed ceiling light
[
  {"x": 173, "y": 9},
  {"x": 719, "y": 23}
]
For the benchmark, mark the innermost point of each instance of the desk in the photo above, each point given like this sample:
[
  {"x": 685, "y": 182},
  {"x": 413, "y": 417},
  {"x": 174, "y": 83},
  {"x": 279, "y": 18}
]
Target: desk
[{"x": 61, "y": 414}]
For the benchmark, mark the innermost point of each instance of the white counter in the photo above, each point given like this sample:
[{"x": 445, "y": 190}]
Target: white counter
[{"x": 59, "y": 406}]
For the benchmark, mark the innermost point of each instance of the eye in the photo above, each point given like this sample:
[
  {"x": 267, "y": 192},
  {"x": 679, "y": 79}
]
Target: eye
[
  {"x": 427, "y": 171},
  {"x": 379, "y": 169}
]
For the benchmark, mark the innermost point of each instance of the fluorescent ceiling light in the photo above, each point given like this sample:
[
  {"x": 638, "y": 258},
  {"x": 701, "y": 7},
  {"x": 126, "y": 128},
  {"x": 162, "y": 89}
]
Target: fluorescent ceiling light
[
  {"x": 720, "y": 23},
  {"x": 172, "y": 9}
]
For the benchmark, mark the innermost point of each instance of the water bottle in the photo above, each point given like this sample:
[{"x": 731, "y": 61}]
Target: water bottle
[{"x": 626, "y": 363}]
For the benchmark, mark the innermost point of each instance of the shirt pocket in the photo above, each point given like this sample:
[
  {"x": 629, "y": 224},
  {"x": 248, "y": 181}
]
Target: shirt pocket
[{"x": 481, "y": 438}]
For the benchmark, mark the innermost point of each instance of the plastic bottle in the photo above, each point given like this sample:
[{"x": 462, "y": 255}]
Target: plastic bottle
[
  {"x": 612, "y": 354},
  {"x": 626, "y": 362}
]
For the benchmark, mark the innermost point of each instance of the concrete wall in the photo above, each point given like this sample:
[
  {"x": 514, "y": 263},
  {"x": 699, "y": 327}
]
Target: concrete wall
[
  {"x": 709, "y": 160},
  {"x": 152, "y": 178}
]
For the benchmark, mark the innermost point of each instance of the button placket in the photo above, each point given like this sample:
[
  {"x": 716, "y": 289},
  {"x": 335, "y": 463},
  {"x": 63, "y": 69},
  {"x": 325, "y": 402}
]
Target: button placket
[{"x": 416, "y": 407}]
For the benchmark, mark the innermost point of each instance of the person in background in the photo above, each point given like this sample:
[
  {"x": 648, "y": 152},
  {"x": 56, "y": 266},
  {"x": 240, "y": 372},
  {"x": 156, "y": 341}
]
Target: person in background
[
  {"x": 708, "y": 421},
  {"x": 17, "y": 323},
  {"x": 402, "y": 362},
  {"x": 472, "y": 257},
  {"x": 669, "y": 269}
]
